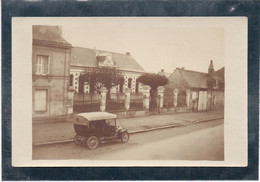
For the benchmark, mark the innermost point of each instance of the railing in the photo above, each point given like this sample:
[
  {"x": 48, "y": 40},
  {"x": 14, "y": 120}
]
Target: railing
[
  {"x": 136, "y": 101},
  {"x": 86, "y": 102},
  {"x": 82, "y": 99}
]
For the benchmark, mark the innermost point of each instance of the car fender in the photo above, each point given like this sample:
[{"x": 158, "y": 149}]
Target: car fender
[{"x": 123, "y": 130}]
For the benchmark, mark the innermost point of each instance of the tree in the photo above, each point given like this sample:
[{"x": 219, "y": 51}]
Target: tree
[
  {"x": 101, "y": 77},
  {"x": 154, "y": 81},
  {"x": 211, "y": 82}
]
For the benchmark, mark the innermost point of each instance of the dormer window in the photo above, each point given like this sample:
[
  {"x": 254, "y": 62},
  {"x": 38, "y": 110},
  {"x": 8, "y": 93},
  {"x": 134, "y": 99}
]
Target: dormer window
[
  {"x": 105, "y": 60},
  {"x": 42, "y": 64}
]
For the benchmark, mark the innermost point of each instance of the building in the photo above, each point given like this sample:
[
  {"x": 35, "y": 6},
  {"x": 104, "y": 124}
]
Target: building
[
  {"x": 85, "y": 59},
  {"x": 194, "y": 90},
  {"x": 50, "y": 72}
]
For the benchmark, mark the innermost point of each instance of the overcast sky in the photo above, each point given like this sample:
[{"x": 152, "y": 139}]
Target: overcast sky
[{"x": 155, "y": 43}]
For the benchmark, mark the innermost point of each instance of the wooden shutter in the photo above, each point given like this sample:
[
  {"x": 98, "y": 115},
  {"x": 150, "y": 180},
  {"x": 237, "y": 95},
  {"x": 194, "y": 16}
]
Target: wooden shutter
[{"x": 40, "y": 100}]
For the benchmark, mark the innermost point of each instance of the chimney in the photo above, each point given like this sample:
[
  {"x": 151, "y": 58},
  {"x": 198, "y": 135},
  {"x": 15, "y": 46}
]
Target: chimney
[
  {"x": 183, "y": 68},
  {"x": 162, "y": 70},
  {"x": 127, "y": 53},
  {"x": 211, "y": 68}
]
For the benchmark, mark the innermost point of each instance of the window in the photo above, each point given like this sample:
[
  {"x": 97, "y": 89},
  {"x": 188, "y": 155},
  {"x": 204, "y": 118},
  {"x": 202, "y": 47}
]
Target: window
[
  {"x": 40, "y": 100},
  {"x": 137, "y": 87},
  {"x": 71, "y": 80},
  {"x": 130, "y": 83},
  {"x": 42, "y": 65},
  {"x": 121, "y": 85}
]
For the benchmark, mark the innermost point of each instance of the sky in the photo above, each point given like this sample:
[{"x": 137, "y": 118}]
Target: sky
[{"x": 155, "y": 43}]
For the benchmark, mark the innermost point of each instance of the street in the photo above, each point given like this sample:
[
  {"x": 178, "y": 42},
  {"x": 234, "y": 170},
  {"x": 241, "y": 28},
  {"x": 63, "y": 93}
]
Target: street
[{"x": 201, "y": 141}]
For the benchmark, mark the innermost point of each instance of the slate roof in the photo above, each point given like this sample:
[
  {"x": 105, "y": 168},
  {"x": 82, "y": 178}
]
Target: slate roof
[
  {"x": 49, "y": 35},
  {"x": 85, "y": 57},
  {"x": 182, "y": 78},
  {"x": 195, "y": 79}
]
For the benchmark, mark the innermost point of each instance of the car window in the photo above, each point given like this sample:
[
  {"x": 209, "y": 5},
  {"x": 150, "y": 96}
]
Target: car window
[
  {"x": 111, "y": 122},
  {"x": 99, "y": 123}
]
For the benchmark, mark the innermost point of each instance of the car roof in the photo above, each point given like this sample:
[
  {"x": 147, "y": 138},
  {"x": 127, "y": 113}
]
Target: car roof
[{"x": 93, "y": 116}]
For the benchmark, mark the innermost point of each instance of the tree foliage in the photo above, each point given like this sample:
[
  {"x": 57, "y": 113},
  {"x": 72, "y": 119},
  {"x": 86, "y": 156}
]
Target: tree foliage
[
  {"x": 101, "y": 77},
  {"x": 211, "y": 82},
  {"x": 154, "y": 81}
]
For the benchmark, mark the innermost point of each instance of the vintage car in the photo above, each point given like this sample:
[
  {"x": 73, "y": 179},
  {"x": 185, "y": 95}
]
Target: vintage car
[{"x": 92, "y": 128}]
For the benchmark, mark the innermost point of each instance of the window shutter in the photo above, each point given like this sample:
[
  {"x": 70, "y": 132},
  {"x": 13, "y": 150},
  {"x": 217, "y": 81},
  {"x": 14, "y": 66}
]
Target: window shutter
[{"x": 40, "y": 100}]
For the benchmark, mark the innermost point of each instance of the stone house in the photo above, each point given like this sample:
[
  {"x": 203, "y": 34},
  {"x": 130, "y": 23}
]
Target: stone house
[
  {"x": 195, "y": 91},
  {"x": 50, "y": 73},
  {"x": 85, "y": 59}
]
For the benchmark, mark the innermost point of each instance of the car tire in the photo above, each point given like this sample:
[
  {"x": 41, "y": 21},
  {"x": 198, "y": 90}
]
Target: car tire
[
  {"x": 92, "y": 142},
  {"x": 125, "y": 137},
  {"x": 77, "y": 140}
]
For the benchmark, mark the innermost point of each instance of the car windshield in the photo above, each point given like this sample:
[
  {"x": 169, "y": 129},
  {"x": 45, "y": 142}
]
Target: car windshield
[{"x": 111, "y": 122}]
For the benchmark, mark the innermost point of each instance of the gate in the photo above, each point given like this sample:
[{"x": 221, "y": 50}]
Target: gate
[{"x": 202, "y": 101}]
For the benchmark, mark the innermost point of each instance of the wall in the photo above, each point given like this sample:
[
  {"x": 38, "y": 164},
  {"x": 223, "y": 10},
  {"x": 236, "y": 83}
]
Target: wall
[
  {"x": 133, "y": 75},
  {"x": 176, "y": 80},
  {"x": 218, "y": 99},
  {"x": 56, "y": 82}
]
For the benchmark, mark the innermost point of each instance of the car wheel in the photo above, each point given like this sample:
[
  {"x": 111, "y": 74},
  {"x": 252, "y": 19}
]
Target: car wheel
[
  {"x": 124, "y": 137},
  {"x": 77, "y": 140},
  {"x": 92, "y": 142}
]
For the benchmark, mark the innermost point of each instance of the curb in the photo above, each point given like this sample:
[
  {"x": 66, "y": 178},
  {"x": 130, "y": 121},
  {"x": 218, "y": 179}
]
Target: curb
[
  {"x": 157, "y": 128},
  {"x": 210, "y": 119},
  {"x": 132, "y": 132}
]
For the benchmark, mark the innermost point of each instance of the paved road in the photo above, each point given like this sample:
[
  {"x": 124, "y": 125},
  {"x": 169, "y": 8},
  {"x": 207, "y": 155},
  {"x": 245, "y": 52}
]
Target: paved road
[{"x": 201, "y": 141}]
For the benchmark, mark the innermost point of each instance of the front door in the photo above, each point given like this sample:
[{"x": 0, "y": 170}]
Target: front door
[{"x": 202, "y": 101}]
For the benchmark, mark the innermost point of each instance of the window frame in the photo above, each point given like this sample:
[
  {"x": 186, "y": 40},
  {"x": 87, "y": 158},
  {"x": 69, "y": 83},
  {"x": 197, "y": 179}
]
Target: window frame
[
  {"x": 36, "y": 64},
  {"x": 39, "y": 51}
]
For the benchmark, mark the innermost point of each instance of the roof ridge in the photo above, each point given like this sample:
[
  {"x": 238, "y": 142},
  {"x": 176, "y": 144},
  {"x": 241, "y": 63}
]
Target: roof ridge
[
  {"x": 100, "y": 50},
  {"x": 191, "y": 71}
]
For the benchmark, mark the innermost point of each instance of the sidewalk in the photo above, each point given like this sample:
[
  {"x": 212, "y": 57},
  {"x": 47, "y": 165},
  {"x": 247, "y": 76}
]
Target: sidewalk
[{"x": 47, "y": 133}]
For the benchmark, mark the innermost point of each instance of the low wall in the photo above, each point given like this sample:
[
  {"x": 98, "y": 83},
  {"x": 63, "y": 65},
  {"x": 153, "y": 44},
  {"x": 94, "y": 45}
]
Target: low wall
[
  {"x": 124, "y": 114},
  {"x": 119, "y": 113},
  {"x": 175, "y": 110}
]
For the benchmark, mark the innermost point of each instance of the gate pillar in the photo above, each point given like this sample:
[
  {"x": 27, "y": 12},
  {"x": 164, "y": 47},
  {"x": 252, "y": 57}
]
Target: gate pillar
[
  {"x": 160, "y": 91},
  {"x": 146, "y": 97},
  {"x": 175, "y": 97},
  {"x": 127, "y": 98},
  {"x": 103, "y": 92}
]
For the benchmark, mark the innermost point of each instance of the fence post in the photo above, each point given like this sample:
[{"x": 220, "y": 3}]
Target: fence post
[
  {"x": 127, "y": 98},
  {"x": 175, "y": 97},
  {"x": 146, "y": 98},
  {"x": 188, "y": 98},
  {"x": 70, "y": 100},
  {"x": 160, "y": 91},
  {"x": 103, "y": 92}
]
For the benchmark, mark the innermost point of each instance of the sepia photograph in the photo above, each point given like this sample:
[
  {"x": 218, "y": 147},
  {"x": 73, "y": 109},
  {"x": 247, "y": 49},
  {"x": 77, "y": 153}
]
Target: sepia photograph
[{"x": 144, "y": 91}]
